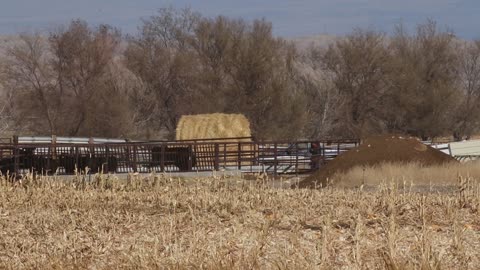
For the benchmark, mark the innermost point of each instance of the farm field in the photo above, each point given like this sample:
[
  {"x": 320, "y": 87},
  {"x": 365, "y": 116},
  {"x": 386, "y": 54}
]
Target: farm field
[{"x": 225, "y": 222}]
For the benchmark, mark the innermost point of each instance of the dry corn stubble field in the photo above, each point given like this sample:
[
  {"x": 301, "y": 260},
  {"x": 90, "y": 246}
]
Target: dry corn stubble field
[{"x": 230, "y": 223}]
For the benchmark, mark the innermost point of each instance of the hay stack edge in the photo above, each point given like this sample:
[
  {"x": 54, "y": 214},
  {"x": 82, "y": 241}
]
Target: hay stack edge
[{"x": 213, "y": 126}]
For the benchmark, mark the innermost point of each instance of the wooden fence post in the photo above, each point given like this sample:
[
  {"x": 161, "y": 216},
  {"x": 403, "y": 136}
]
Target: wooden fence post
[
  {"x": 225, "y": 154},
  {"x": 275, "y": 159},
  {"x": 107, "y": 155},
  {"x": 15, "y": 155},
  {"x": 296, "y": 159},
  {"x": 239, "y": 156},
  {"x": 217, "y": 158},
  {"x": 77, "y": 165},
  {"x": 135, "y": 158},
  {"x": 52, "y": 157},
  {"x": 91, "y": 153},
  {"x": 189, "y": 157},
  {"x": 162, "y": 158}
]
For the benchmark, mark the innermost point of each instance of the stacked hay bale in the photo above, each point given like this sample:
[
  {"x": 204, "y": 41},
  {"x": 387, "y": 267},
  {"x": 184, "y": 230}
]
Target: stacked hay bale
[
  {"x": 212, "y": 126},
  {"x": 229, "y": 129}
]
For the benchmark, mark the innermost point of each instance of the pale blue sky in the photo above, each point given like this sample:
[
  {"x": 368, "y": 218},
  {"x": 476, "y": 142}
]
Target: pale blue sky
[{"x": 290, "y": 18}]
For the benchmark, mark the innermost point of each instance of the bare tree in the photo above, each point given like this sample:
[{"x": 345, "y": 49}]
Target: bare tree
[
  {"x": 357, "y": 66},
  {"x": 63, "y": 85},
  {"x": 467, "y": 120},
  {"x": 423, "y": 81},
  {"x": 213, "y": 45},
  {"x": 161, "y": 58},
  {"x": 170, "y": 28},
  {"x": 321, "y": 95},
  {"x": 82, "y": 58},
  {"x": 76, "y": 80},
  {"x": 5, "y": 111},
  {"x": 5, "y": 104},
  {"x": 29, "y": 77},
  {"x": 188, "y": 64},
  {"x": 261, "y": 76}
]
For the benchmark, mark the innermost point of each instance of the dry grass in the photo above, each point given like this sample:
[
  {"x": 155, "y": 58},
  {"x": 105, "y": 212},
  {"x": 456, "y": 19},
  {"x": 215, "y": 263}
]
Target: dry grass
[
  {"x": 412, "y": 173},
  {"x": 228, "y": 223}
]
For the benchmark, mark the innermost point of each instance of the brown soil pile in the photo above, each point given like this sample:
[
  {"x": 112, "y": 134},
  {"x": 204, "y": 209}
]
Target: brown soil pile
[{"x": 377, "y": 150}]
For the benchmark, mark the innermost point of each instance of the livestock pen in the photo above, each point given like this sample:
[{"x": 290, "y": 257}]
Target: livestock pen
[{"x": 117, "y": 156}]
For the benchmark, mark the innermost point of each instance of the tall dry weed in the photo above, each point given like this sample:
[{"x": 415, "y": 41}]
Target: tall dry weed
[
  {"x": 157, "y": 221},
  {"x": 406, "y": 174}
]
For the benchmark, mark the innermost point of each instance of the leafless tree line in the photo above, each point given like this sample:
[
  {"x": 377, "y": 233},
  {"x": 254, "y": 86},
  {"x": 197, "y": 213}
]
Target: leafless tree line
[
  {"x": 424, "y": 84},
  {"x": 66, "y": 83},
  {"x": 90, "y": 81}
]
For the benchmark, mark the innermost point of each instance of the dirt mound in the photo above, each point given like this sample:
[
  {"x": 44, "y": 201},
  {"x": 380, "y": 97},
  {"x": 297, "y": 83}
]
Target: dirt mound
[{"x": 377, "y": 150}]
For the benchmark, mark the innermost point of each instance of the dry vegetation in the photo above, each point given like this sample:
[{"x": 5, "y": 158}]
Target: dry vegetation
[
  {"x": 411, "y": 173},
  {"x": 230, "y": 223},
  {"x": 85, "y": 79}
]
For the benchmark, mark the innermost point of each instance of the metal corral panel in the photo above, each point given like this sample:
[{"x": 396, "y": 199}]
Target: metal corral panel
[
  {"x": 444, "y": 147},
  {"x": 75, "y": 140},
  {"x": 465, "y": 148},
  {"x": 34, "y": 139}
]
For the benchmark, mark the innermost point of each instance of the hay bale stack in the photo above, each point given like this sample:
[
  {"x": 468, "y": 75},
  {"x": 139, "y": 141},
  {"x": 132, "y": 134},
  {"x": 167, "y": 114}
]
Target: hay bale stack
[
  {"x": 218, "y": 126},
  {"x": 212, "y": 126}
]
